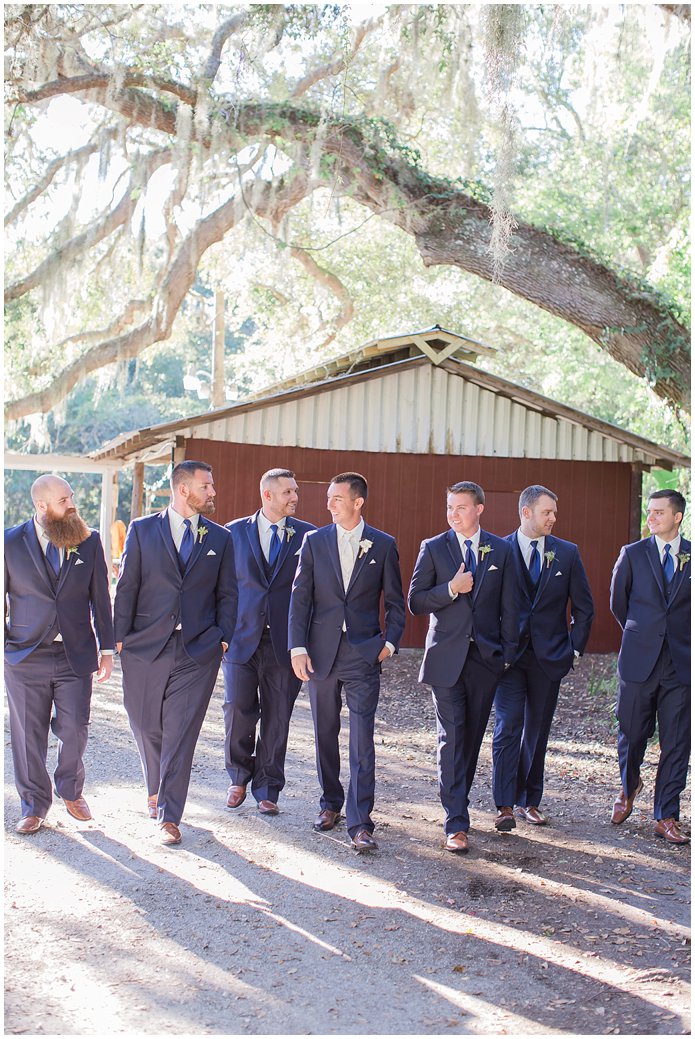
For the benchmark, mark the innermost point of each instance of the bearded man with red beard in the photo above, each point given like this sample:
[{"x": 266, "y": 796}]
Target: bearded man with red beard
[
  {"x": 56, "y": 601},
  {"x": 174, "y": 615}
]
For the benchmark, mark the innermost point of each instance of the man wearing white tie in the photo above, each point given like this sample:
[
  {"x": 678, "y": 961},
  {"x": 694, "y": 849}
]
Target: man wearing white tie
[{"x": 337, "y": 644}]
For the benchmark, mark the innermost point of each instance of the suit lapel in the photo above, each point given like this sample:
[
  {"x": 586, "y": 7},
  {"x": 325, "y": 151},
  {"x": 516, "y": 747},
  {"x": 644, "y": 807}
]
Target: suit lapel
[
  {"x": 198, "y": 546},
  {"x": 655, "y": 563},
  {"x": 484, "y": 562},
  {"x": 284, "y": 552},
  {"x": 452, "y": 543},
  {"x": 165, "y": 532},
  {"x": 68, "y": 563},
  {"x": 525, "y": 584},
  {"x": 36, "y": 552},
  {"x": 334, "y": 554},
  {"x": 546, "y": 566},
  {"x": 255, "y": 543},
  {"x": 679, "y": 575},
  {"x": 362, "y": 557}
]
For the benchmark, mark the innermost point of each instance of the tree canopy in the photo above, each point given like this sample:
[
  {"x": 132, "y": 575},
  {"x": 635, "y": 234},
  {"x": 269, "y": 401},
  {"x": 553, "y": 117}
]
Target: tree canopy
[{"x": 516, "y": 172}]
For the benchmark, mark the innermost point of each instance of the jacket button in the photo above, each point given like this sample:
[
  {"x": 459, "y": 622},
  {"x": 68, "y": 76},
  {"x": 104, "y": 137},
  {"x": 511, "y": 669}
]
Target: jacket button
[{"x": 172, "y": 616}]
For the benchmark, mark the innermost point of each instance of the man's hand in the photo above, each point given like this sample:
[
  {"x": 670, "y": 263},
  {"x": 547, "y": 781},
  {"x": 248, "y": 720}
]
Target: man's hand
[
  {"x": 385, "y": 653},
  {"x": 225, "y": 646},
  {"x": 462, "y": 581},
  {"x": 105, "y": 667},
  {"x": 119, "y": 647},
  {"x": 302, "y": 666}
]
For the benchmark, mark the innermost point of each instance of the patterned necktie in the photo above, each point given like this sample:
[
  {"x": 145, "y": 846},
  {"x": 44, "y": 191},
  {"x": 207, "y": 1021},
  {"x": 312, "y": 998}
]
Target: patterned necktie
[
  {"x": 470, "y": 556},
  {"x": 669, "y": 568},
  {"x": 275, "y": 545},
  {"x": 347, "y": 558},
  {"x": 53, "y": 557},
  {"x": 534, "y": 566},
  {"x": 186, "y": 542}
]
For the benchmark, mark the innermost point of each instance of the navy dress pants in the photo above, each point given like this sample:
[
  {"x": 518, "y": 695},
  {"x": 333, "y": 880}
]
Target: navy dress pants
[
  {"x": 259, "y": 690},
  {"x": 44, "y": 694},
  {"x": 360, "y": 681}
]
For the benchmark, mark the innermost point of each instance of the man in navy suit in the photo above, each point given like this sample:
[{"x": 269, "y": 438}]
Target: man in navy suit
[
  {"x": 550, "y": 575},
  {"x": 259, "y": 682},
  {"x": 174, "y": 616},
  {"x": 465, "y": 579},
  {"x": 56, "y": 597},
  {"x": 650, "y": 599},
  {"x": 337, "y": 643}
]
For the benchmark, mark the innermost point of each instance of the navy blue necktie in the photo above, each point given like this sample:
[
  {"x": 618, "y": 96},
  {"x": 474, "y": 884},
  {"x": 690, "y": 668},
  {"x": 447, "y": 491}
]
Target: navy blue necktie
[
  {"x": 53, "y": 557},
  {"x": 275, "y": 545},
  {"x": 669, "y": 568},
  {"x": 470, "y": 556},
  {"x": 186, "y": 542},
  {"x": 534, "y": 566}
]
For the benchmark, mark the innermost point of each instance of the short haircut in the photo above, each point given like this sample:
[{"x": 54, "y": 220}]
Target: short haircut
[
  {"x": 530, "y": 495},
  {"x": 185, "y": 471},
  {"x": 468, "y": 487},
  {"x": 358, "y": 484},
  {"x": 276, "y": 474},
  {"x": 676, "y": 499}
]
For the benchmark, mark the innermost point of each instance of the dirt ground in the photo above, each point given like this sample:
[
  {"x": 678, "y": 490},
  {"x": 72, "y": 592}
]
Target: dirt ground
[{"x": 259, "y": 926}]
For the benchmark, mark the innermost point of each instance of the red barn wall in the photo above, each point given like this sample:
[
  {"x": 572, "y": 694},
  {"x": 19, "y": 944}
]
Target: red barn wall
[{"x": 407, "y": 499}]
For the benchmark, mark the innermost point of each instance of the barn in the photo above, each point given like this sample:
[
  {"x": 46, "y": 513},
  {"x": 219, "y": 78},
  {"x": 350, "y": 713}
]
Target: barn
[{"x": 415, "y": 413}]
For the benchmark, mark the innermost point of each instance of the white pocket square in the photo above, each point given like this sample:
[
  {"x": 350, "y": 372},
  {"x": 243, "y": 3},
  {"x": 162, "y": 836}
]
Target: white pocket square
[
  {"x": 372, "y": 562},
  {"x": 79, "y": 562},
  {"x": 298, "y": 551},
  {"x": 559, "y": 573},
  {"x": 212, "y": 553},
  {"x": 493, "y": 567}
]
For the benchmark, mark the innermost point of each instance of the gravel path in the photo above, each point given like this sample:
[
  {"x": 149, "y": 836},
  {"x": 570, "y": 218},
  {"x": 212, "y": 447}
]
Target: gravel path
[{"x": 260, "y": 926}]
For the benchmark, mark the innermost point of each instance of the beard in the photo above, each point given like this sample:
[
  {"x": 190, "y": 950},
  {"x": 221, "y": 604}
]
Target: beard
[
  {"x": 67, "y": 531},
  {"x": 203, "y": 508}
]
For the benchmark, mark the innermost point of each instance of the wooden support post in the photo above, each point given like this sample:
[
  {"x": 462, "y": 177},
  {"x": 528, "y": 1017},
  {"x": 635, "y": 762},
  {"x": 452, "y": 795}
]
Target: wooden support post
[
  {"x": 138, "y": 487},
  {"x": 217, "y": 388}
]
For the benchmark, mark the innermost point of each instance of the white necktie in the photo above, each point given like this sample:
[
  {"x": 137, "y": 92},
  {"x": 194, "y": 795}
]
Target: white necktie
[{"x": 347, "y": 558}]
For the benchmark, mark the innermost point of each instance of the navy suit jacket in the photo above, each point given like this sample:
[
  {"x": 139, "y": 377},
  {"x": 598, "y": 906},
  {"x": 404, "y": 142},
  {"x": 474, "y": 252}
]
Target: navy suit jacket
[
  {"x": 647, "y": 614},
  {"x": 489, "y": 614},
  {"x": 262, "y": 600},
  {"x": 543, "y": 619},
  {"x": 153, "y": 596},
  {"x": 77, "y": 605},
  {"x": 319, "y": 605}
]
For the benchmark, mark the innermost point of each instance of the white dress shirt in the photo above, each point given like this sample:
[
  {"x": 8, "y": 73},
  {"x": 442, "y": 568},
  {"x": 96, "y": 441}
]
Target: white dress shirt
[
  {"x": 675, "y": 548},
  {"x": 265, "y": 534},
  {"x": 177, "y": 528},
  {"x": 525, "y": 546}
]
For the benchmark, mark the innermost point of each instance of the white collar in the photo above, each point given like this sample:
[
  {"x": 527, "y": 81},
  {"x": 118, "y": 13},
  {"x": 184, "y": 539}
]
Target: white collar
[
  {"x": 525, "y": 542},
  {"x": 177, "y": 520},
  {"x": 474, "y": 540},
  {"x": 661, "y": 544},
  {"x": 265, "y": 524},
  {"x": 355, "y": 534}
]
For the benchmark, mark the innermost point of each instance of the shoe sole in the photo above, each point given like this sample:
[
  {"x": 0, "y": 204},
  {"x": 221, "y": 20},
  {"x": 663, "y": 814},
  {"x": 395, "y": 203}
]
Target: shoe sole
[
  {"x": 267, "y": 811},
  {"x": 456, "y": 851},
  {"x": 506, "y": 826}
]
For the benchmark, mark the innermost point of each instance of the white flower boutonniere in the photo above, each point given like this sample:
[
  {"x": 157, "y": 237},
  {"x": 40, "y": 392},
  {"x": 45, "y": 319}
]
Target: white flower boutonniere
[
  {"x": 72, "y": 551},
  {"x": 683, "y": 558},
  {"x": 365, "y": 545},
  {"x": 483, "y": 550},
  {"x": 202, "y": 531},
  {"x": 290, "y": 531},
  {"x": 548, "y": 556}
]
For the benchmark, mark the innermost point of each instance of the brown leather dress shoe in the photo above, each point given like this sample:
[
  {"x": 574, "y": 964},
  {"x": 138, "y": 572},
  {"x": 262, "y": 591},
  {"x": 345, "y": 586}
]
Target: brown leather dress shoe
[
  {"x": 363, "y": 841},
  {"x": 505, "y": 820},
  {"x": 532, "y": 815},
  {"x": 268, "y": 808},
  {"x": 29, "y": 824},
  {"x": 152, "y": 806},
  {"x": 236, "y": 795},
  {"x": 623, "y": 805},
  {"x": 670, "y": 830},
  {"x": 457, "y": 842},
  {"x": 170, "y": 833},
  {"x": 79, "y": 809},
  {"x": 326, "y": 819}
]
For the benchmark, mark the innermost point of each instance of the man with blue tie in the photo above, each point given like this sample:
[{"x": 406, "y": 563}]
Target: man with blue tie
[
  {"x": 650, "y": 599},
  {"x": 550, "y": 576},
  {"x": 174, "y": 615},
  {"x": 259, "y": 683},
  {"x": 345, "y": 569},
  {"x": 466, "y": 580},
  {"x": 56, "y": 600}
]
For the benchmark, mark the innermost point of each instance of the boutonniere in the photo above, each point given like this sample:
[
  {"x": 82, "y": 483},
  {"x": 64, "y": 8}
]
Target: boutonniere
[
  {"x": 484, "y": 549},
  {"x": 365, "y": 545},
  {"x": 548, "y": 556},
  {"x": 72, "y": 551},
  {"x": 202, "y": 531},
  {"x": 683, "y": 558},
  {"x": 290, "y": 532}
]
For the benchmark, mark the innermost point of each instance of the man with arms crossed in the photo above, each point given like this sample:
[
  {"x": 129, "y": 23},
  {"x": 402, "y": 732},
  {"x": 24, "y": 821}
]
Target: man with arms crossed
[
  {"x": 650, "y": 599},
  {"x": 258, "y": 678},
  {"x": 465, "y": 579},
  {"x": 56, "y": 588},
  {"x": 337, "y": 643},
  {"x": 550, "y": 575},
  {"x": 174, "y": 616}
]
